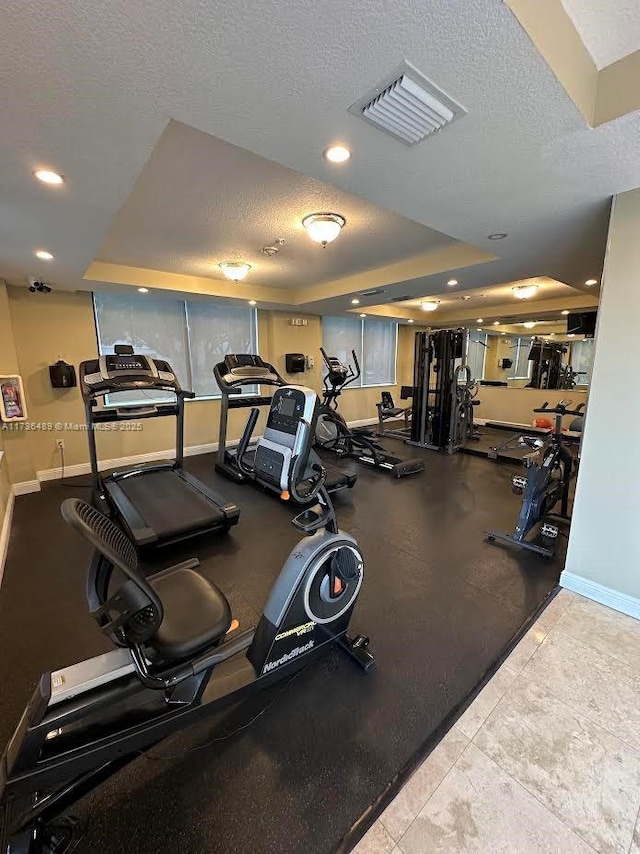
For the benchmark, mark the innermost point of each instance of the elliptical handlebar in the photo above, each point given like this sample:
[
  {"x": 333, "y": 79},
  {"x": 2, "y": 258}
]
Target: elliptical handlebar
[{"x": 351, "y": 375}]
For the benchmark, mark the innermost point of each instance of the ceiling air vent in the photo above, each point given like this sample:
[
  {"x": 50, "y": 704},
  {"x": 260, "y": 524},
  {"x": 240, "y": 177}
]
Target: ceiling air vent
[
  {"x": 408, "y": 106},
  {"x": 374, "y": 292},
  {"x": 401, "y": 299}
]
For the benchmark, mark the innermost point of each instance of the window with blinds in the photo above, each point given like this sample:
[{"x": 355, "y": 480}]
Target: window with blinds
[
  {"x": 191, "y": 336},
  {"x": 374, "y": 342}
]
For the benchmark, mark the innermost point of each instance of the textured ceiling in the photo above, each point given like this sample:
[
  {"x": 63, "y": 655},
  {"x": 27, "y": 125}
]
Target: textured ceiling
[
  {"x": 88, "y": 89},
  {"x": 200, "y": 201},
  {"x": 455, "y": 297},
  {"x": 609, "y": 29}
]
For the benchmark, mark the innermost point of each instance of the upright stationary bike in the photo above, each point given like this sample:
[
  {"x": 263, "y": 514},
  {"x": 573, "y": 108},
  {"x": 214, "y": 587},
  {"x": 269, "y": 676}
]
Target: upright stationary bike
[
  {"x": 178, "y": 656},
  {"x": 334, "y": 434},
  {"x": 546, "y": 482}
]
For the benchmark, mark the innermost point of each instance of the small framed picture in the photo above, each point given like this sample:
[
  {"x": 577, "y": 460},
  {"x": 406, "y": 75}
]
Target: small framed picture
[{"x": 12, "y": 403}]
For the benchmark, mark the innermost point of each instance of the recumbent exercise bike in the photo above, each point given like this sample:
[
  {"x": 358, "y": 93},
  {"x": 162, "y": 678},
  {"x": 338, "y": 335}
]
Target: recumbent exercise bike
[
  {"x": 334, "y": 434},
  {"x": 546, "y": 482},
  {"x": 178, "y": 657}
]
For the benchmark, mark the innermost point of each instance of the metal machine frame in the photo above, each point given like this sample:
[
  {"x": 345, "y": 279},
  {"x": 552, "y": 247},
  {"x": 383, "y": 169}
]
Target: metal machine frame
[
  {"x": 443, "y": 391},
  {"x": 548, "y": 473},
  {"x": 96, "y": 382}
]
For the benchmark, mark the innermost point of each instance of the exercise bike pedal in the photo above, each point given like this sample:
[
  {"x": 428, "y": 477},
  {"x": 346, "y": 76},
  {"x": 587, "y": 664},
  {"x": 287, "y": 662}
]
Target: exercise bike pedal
[
  {"x": 548, "y": 531},
  {"x": 357, "y": 648}
]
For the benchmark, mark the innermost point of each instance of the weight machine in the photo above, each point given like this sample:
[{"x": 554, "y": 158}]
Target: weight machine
[{"x": 443, "y": 391}]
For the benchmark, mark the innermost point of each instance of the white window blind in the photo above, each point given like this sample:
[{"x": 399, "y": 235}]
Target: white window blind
[
  {"x": 192, "y": 337},
  {"x": 379, "y": 344},
  {"x": 521, "y": 369},
  {"x": 374, "y": 342},
  {"x": 477, "y": 353},
  {"x": 582, "y": 353},
  {"x": 214, "y": 331}
]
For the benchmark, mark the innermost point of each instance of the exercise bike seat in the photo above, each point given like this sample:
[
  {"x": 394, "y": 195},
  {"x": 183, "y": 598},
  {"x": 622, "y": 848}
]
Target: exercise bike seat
[
  {"x": 172, "y": 615},
  {"x": 196, "y": 614}
]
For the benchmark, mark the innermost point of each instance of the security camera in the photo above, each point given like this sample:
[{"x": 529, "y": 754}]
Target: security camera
[{"x": 37, "y": 286}]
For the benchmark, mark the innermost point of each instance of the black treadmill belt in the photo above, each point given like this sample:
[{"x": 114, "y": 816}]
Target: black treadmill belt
[{"x": 169, "y": 505}]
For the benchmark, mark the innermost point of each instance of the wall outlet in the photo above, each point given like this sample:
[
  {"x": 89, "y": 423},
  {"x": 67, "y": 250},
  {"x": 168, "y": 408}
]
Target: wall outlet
[{"x": 60, "y": 444}]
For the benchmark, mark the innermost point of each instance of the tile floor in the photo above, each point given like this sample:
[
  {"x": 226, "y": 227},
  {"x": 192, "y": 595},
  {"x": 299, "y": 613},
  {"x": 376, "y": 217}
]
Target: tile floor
[{"x": 546, "y": 758}]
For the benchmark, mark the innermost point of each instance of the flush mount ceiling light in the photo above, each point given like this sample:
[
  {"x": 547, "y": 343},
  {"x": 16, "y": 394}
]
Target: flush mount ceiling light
[
  {"x": 590, "y": 282},
  {"x": 566, "y": 311},
  {"x": 479, "y": 319},
  {"x": 235, "y": 270},
  {"x": 498, "y": 235},
  {"x": 503, "y": 333},
  {"x": 48, "y": 177},
  {"x": 496, "y": 323},
  {"x": 252, "y": 302},
  {"x": 355, "y": 301},
  {"x": 363, "y": 315},
  {"x": 410, "y": 320},
  {"x": 143, "y": 290},
  {"x": 429, "y": 305},
  {"x": 524, "y": 291},
  {"x": 43, "y": 255},
  {"x": 323, "y": 228},
  {"x": 571, "y": 335},
  {"x": 337, "y": 154},
  {"x": 452, "y": 282},
  {"x": 529, "y": 324}
]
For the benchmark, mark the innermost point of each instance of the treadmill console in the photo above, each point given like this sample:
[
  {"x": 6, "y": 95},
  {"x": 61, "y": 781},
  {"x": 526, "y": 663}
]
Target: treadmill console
[
  {"x": 122, "y": 371},
  {"x": 242, "y": 369}
]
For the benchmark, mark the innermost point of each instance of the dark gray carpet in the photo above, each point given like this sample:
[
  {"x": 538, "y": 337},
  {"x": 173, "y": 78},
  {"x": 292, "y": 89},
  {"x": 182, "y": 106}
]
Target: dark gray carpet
[{"x": 441, "y": 607}]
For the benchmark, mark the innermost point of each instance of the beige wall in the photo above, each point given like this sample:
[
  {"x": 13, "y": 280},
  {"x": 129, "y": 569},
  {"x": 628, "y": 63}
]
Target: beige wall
[
  {"x": 15, "y": 441},
  {"x": 516, "y": 405},
  {"x": 603, "y": 546},
  {"x": 61, "y": 325},
  {"x": 498, "y": 348}
]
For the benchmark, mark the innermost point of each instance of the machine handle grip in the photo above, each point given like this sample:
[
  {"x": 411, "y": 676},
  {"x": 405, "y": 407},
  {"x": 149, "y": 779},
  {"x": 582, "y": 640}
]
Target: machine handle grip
[
  {"x": 246, "y": 438},
  {"x": 357, "y": 364},
  {"x": 544, "y": 407}
]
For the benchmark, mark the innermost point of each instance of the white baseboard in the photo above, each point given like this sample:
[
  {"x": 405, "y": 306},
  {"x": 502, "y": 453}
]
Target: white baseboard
[
  {"x": 26, "y": 486},
  {"x": 122, "y": 462},
  {"x": 599, "y": 593},
  {"x": 5, "y": 530}
]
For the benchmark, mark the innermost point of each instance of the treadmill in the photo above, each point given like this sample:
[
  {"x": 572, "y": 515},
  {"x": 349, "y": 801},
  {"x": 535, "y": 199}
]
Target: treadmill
[
  {"x": 158, "y": 503},
  {"x": 234, "y": 375}
]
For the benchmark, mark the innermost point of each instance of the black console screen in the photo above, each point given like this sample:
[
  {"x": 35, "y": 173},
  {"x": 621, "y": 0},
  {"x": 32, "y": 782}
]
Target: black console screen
[{"x": 287, "y": 406}]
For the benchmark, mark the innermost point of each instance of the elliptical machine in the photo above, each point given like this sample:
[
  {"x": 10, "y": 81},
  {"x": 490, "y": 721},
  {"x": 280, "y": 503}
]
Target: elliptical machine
[
  {"x": 334, "y": 434},
  {"x": 178, "y": 657},
  {"x": 546, "y": 482}
]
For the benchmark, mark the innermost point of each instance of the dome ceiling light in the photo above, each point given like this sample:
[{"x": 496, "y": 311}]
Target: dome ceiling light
[
  {"x": 235, "y": 270},
  {"x": 429, "y": 305},
  {"x": 323, "y": 228},
  {"x": 524, "y": 291}
]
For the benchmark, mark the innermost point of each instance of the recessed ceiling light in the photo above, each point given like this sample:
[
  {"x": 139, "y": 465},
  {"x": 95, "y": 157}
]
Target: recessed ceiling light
[
  {"x": 355, "y": 301},
  {"x": 480, "y": 320},
  {"x": 590, "y": 282},
  {"x": 498, "y": 235},
  {"x": 571, "y": 335},
  {"x": 410, "y": 320},
  {"x": 525, "y": 291},
  {"x": 43, "y": 255},
  {"x": 363, "y": 315},
  {"x": 252, "y": 302},
  {"x": 323, "y": 228},
  {"x": 452, "y": 282},
  {"x": 235, "y": 270},
  {"x": 496, "y": 323},
  {"x": 465, "y": 298},
  {"x": 48, "y": 177},
  {"x": 566, "y": 311},
  {"x": 337, "y": 154},
  {"x": 143, "y": 290},
  {"x": 503, "y": 333},
  {"x": 529, "y": 324},
  {"x": 479, "y": 329},
  {"x": 429, "y": 305}
]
